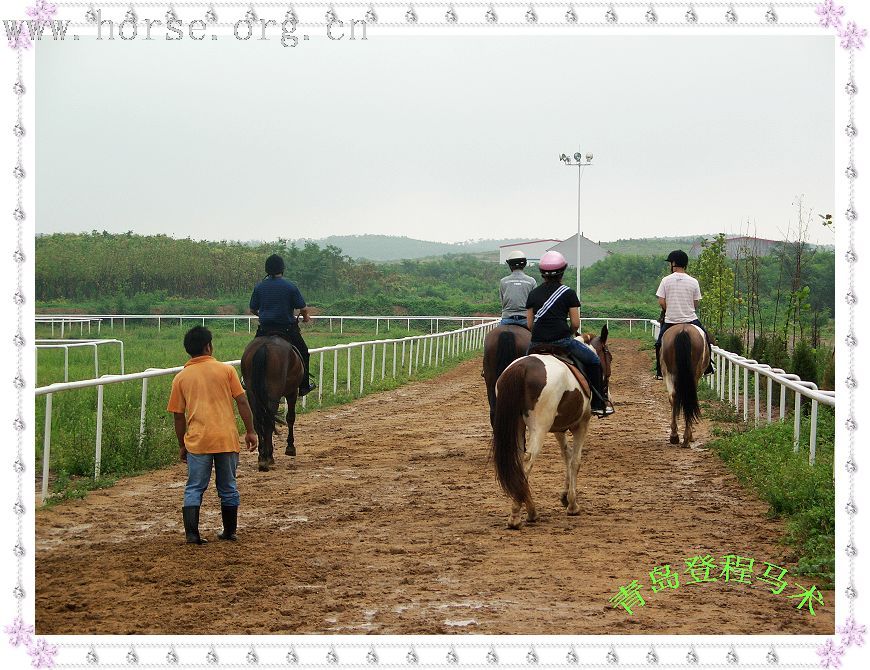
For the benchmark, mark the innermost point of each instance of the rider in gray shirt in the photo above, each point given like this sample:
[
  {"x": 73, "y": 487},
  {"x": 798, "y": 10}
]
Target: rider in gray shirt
[{"x": 514, "y": 290}]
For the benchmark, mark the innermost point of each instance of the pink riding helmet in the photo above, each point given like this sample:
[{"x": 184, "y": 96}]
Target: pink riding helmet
[{"x": 552, "y": 261}]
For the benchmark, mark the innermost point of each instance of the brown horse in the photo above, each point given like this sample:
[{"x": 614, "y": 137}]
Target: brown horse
[
  {"x": 271, "y": 368},
  {"x": 684, "y": 356},
  {"x": 501, "y": 347},
  {"x": 539, "y": 392}
]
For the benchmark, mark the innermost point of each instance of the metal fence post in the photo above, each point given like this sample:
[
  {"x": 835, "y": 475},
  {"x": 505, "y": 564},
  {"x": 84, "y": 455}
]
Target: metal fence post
[
  {"x": 757, "y": 406},
  {"x": 814, "y": 422},
  {"x": 142, "y": 411},
  {"x": 384, "y": 360},
  {"x": 746, "y": 394},
  {"x": 46, "y": 447},
  {"x": 781, "y": 402},
  {"x": 348, "y": 369},
  {"x": 770, "y": 400},
  {"x": 98, "y": 447},
  {"x": 797, "y": 421},
  {"x": 335, "y": 373},
  {"x": 66, "y": 364},
  {"x": 395, "y": 346},
  {"x": 96, "y": 362},
  {"x": 320, "y": 381}
]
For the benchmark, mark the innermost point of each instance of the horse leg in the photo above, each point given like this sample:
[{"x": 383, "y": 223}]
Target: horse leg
[
  {"x": 675, "y": 436},
  {"x": 291, "y": 419},
  {"x": 573, "y": 465},
  {"x": 533, "y": 448},
  {"x": 562, "y": 439},
  {"x": 490, "y": 396}
]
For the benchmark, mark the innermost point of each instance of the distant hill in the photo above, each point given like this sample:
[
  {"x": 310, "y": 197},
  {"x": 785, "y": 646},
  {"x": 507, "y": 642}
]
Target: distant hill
[
  {"x": 381, "y": 248},
  {"x": 652, "y": 246},
  {"x": 390, "y": 248}
]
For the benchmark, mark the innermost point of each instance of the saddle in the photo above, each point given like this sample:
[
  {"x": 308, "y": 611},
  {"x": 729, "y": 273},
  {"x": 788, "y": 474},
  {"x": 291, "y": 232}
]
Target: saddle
[
  {"x": 283, "y": 333},
  {"x": 564, "y": 355}
]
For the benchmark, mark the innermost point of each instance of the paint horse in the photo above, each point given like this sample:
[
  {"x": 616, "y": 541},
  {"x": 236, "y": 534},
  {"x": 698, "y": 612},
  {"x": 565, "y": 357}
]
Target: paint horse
[
  {"x": 540, "y": 393},
  {"x": 684, "y": 358},
  {"x": 501, "y": 347},
  {"x": 271, "y": 368}
]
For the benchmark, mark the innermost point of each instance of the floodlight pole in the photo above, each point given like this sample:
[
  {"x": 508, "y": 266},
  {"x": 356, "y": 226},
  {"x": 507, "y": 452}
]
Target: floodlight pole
[{"x": 579, "y": 164}]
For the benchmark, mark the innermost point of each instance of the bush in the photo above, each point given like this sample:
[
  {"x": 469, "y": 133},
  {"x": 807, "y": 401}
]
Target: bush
[
  {"x": 803, "y": 362},
  {"x": 731, "y": 342},
  {"x": 771, "y": 349},
  {"x": 825, "y": 361}
]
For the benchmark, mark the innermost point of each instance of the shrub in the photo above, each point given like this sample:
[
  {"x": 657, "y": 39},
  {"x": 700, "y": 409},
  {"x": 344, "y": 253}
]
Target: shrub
[{"x": 803, "y": 362}]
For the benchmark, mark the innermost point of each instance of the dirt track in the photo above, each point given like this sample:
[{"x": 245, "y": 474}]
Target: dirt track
[{"x": 391, "y": 522}]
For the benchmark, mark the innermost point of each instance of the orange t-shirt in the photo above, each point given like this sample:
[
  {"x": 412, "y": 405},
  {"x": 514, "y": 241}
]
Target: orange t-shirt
[{"x": 204, "y": 391}]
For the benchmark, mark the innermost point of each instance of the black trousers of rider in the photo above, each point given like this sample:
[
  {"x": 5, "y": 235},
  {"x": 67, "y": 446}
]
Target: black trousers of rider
[{"x": 297, "y": 341}]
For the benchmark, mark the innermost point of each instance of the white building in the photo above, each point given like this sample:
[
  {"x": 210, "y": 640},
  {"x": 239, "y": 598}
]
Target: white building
[
  {"x": 533, "y": 249},
  {"x": 590, "y": 252}
]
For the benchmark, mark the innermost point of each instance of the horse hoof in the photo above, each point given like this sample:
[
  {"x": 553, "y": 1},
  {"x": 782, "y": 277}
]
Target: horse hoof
[
  {"x": 262, "y": 466},
  {"x": 564, "y": 499},
  {"x": 290, "y": 451},
  {"x": 514, "y": 524},
  {"x": 271, "y": 461},
  {"x": 574, "y": 512},
  {"x": 532, "y": 518},
  {"x": 675, "y": 439}
]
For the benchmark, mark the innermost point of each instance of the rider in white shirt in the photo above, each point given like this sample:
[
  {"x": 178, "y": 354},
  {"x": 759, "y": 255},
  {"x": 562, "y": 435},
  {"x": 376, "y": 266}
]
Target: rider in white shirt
[{"x": 679, "y": 294}]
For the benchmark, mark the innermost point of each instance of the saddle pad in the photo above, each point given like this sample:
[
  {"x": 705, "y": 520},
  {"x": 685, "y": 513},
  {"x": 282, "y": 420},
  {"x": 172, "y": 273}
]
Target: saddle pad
[{"x": 561, "y": 354}]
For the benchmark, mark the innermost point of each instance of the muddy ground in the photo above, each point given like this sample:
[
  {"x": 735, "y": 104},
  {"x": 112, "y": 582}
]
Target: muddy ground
[{"x": 390, "y": 521}]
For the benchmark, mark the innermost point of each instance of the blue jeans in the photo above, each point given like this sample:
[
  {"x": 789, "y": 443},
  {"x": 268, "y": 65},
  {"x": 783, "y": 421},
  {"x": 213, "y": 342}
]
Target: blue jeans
[
  {"x": 515, "y": 321},
  {"x": 199, "y": 474},
  {"x": 580, "y": 350}
]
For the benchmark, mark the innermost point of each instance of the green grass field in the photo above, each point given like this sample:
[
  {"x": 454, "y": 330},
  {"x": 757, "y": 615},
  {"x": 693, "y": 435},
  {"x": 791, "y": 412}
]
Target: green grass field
[{"x": 73, "y": 430}]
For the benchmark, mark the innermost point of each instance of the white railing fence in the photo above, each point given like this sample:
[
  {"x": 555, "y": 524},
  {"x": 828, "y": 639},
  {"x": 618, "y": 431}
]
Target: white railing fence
[
  {"x": 726, "y": 382},
  {"x": 65, "y": 322},
  {"x": 409, "y": 353},
  {"x": 249, "y": 321},
  {"x": 66, "y": 345}
]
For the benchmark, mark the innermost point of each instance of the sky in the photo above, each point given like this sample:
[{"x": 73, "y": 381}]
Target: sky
[{"x": 435, "y": 137}]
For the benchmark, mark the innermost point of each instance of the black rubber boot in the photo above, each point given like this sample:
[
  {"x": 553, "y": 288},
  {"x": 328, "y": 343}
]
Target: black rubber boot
[
  {"x": 658, "y": 362},
  {"x": 191, "y": 525},
  {"x": 600, "y": 406},
  {"x": 230, "y": 517}
]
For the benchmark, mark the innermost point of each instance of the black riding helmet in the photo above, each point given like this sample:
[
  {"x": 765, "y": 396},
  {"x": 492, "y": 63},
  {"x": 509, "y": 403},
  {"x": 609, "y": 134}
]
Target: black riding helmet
[
  {"x": 274, "y": 265},
  {"x": 679, "y": 258}
]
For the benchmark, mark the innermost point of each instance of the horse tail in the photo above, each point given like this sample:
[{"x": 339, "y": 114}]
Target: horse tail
[
  {"x": 264, "y": 416},
  {"x": 508, "y": 429},
  {"x": 685, "y": 384},
  {"x": 505, "y": 352}
]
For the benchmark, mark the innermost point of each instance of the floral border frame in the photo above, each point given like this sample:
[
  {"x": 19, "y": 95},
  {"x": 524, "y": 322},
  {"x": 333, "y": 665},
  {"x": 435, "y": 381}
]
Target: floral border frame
[{"x": 472, "y": 651}]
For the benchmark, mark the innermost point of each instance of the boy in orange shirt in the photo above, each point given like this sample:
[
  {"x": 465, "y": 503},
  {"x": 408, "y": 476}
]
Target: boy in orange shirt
[{"x": 205, "y": 424}]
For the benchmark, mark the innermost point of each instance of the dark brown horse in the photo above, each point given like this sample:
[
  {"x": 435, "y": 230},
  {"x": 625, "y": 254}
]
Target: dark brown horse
[
  {"x": 501, "y": 347},
  {"x": 684, "y": 356},
  {"x": 271, "y": 368},
  {"x": 540, "y": 393}
]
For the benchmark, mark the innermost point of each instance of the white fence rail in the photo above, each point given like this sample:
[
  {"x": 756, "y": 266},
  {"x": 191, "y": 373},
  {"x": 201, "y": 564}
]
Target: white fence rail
[
  {"x": 411, "y": 353},
  {"x": 66, "y": 345},
  {"x": 249, "y": 321},
  {"x": 65, "y": 322},
  {"x": 726, "y": 382}
]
